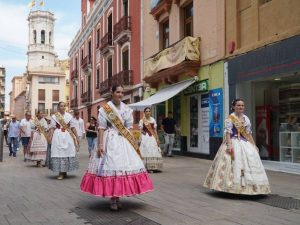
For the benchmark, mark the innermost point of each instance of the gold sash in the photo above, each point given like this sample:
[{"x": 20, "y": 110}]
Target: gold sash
[
  {"x": 67, "y": 128},
  {"x": 121, "y": 128},
  {"x": 40, "y": 128},
  {"x": 241, "y": 129},
  {"x": 149, "y": 127}
]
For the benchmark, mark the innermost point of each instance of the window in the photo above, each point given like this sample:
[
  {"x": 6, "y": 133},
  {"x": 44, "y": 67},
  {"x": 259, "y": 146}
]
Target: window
[
  {"x": 42, "y": 37},
  {"x": 55, "y": 95},
  {"x": 109, "y": 67},
  {"x": 110, "y": 28},
  {"x": 41, "y": 95},
  {"x": 165, "y": 34},
  {"x": 125, "y": 59},
  {"x": 76, "y": 91},
  {"x": 41, "y": 107},
  {"x": 98, "y": 38},
  {"x": 76, "y": 64},
  {"x": 82, "y": 55},
  {"x": 50, "y": 34},
  {"x": 125, "y": 7},
  {"x": 98, "y": 78},
  {"x": 188, "y": 20},
  {"x": 48, "y": 80},
  {"x": 34, "y": 36},
  {"x": 90, "y": 51},
  {"x": 42, "y": 57},
  {"x": 82, "y": 87},
  {"x": 54, "y": 107}
]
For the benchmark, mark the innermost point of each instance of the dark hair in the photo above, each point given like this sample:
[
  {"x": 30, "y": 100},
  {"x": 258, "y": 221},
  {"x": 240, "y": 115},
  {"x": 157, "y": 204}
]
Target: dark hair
[
  {"x": 59, "y": 104},
  {"x": 170, "y": 112},
  {"x": 146, "y": 109},
  {"x": 114, "y": 87},
  {"x": 233, "y": 103},
  {"x": 93, "y": 118},
  {"x": 76, "y": 112}
]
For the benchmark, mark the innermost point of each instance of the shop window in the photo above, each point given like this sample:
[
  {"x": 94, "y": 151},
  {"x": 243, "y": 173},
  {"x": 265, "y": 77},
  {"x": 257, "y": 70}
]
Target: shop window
[{"x": 177, "y": 118}]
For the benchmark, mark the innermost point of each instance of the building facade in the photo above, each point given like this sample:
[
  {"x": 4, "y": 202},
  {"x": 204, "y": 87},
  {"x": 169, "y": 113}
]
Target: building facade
[
  {"x": 183, "y": 39},
  {"x": 106, "y": 51},
  {"x": 18, "y": 96},
  {"x": 46, "y": 80},
  {"x": 263, "y": 67},
  {"x": 2, "y": 91}
]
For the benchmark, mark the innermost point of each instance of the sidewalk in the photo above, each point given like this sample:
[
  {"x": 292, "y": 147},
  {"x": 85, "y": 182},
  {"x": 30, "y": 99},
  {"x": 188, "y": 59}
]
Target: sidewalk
[{"x": 30, "y": 195}]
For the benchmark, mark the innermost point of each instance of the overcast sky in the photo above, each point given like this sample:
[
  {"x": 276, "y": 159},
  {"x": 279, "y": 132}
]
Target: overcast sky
[{"x": 14, "y": 33}]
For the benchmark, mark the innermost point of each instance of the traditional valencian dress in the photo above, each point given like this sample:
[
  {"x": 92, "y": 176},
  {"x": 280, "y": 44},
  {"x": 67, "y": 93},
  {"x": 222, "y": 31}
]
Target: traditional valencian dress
[
  {"x": 120, "y": 171},
  {"x": 149, "y": 146},
  {"x": 38, "y": 143},
  {"x": 241, "y": 172},
  {"x": 63, "y": 151}
]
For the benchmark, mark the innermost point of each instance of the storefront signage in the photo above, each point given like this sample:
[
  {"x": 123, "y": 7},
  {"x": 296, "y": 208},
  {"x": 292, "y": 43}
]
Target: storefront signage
[
  {"x": 216, "y": 113},
  {"x": 200, "y": 86},
  {"x": 278, "y": 58}
]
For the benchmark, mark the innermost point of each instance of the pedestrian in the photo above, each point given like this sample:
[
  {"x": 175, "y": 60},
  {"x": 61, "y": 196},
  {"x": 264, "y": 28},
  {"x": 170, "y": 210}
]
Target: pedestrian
[
  {"x": 79, "y": 125},
  {"x": 48, "y": 120},
  {"x": 5, "y": 130},
  {"x": 120, "y": 171},
  {"x": 91, "y": 134},
  {"x": 37, "y": 149},
  {"x": 168, "y": 127},
  {"x": 150, "y": 146},
  {"x": 13, "y": 136},
  {"x": 237, "y": 167},
  {"x": 26, "y": 126},
  {"x": 64, "y": 143}
]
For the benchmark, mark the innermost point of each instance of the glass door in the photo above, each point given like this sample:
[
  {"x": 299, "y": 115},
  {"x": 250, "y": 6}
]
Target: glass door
[{"x": 193, "y": 139}]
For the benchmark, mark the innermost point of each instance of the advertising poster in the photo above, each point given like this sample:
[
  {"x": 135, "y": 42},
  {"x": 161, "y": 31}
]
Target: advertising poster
[
  {"x": 204, "y": 129},
  {"x": 216, "y": 113}
]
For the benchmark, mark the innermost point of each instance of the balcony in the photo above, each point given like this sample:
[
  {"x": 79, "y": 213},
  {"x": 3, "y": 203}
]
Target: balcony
[
  {"x": 180, "y": 59},
  {"x": 123, "y": 78},
  {"x": 74, "y": 103},
  {"x": 86, "y": 98},
  {"x": 74, "y": 74},
  {"x": 162, "y": 6},
  {"x": 122, "y": 30},
  {"x": 107, "y": 44},
  {"x": 86, "y": 64}
]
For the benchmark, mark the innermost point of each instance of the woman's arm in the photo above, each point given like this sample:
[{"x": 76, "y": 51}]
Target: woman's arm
[{"x": 100, "y": 147}]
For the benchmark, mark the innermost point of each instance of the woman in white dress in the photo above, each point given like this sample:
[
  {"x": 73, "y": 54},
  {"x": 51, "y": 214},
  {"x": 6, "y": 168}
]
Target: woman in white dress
[
  {"x": 149, "y": 146},
  {"x": 237, "y": 167},
  {"x": 64, "y": 143},
  {"x": 119, "y": 170},
  {"x": 38, "y": 142}
]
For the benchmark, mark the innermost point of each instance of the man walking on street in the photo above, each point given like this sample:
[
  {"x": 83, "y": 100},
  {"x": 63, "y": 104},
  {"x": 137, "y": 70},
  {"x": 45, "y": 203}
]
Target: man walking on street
[
  {"x": 13, "y": 136},
  {"x": 168, "y": 127},
  {"x": 79, "y": 125},
  {"x": 26, "y": 126}
]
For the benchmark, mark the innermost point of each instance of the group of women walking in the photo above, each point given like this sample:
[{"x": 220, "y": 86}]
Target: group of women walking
[{"x": 118, "y": 166}]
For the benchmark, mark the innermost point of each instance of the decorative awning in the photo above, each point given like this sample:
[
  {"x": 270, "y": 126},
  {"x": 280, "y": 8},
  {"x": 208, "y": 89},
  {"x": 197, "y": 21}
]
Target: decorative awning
[{"x": 163, "y": 94}]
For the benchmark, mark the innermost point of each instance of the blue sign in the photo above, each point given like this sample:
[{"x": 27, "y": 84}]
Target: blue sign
[{"x": 216, "y": 113}]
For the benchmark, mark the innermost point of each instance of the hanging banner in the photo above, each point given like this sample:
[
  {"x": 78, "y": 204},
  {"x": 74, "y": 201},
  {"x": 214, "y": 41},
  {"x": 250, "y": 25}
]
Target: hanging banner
[{"x": 216, "y": 113}]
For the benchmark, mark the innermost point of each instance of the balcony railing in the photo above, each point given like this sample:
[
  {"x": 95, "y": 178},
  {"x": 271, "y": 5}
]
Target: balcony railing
[
  {"x": 74, "y": 103},
  {"x": 123, "y": 78},
  {"x": 124, "y": 24},
  {"x": 74, "y": 74},
  {"x": 86, "y": 62},
  {"x": 106, "y": 41},
  {"x": 86, "y": 97}
]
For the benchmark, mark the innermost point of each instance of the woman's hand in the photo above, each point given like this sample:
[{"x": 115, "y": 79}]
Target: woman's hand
[{"x": 100, "y": 151}]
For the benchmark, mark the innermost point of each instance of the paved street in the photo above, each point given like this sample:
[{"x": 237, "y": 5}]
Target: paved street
[{"x": 30, "y": 195}]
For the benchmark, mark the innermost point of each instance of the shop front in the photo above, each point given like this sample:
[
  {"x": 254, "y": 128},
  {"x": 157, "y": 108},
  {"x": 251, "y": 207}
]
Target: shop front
[{"x": 268, "y": 79}]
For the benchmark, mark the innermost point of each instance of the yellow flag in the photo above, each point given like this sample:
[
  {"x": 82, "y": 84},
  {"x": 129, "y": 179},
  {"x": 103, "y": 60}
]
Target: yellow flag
[
  {"x": 42, "y": 3},
  {"x": 31, "y": 4}
]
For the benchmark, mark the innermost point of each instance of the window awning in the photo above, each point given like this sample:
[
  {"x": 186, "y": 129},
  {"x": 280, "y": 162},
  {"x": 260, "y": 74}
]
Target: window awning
[{"x": 163, "y": 94}]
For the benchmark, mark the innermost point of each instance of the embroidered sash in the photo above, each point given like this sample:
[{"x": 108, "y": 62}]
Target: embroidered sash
[
  {"x": 241, "y": 129},
  {"x": 149, "y": 127},
  {"x": 121, "y": 128},
  {"x": 67, "y": 128},
  {"x": 39, "y": 126}
]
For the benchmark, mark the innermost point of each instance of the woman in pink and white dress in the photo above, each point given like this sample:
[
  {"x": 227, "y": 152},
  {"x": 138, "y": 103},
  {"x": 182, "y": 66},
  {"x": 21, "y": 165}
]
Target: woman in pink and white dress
[{"x": 116, "y": 169}]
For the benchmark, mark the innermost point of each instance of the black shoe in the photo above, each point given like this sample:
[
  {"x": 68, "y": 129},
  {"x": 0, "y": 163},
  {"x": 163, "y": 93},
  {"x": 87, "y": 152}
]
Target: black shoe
[
  {"x": 10, "y": 154},
  {"x": 14, "y": 155}
]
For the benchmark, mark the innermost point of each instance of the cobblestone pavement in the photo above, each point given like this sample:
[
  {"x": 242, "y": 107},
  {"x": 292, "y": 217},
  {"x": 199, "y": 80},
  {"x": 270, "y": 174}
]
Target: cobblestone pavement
[{"x": 31, "y": 195}]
